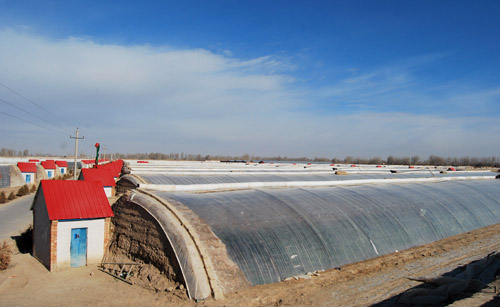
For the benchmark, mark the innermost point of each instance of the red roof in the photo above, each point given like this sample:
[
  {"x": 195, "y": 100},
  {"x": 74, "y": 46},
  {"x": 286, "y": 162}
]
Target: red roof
[
  {"x": 27, "y": 167},
  {"x": 34, "y": 160},
  {"x": 114, "y": 167},
  {"x": 104, "y": 176},
  {"x": 62, "y": 163},
  {"x": 68, "y": 199},
  {"x": 49, "y": 164},
  {"x": 88, "y": 161},
  {"x": 142, "y": 161}
]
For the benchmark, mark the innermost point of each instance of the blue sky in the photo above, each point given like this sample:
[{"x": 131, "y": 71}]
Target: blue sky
[{"x": 295, "y": 78}]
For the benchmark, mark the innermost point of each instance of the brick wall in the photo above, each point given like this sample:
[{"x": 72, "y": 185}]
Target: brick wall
[
  {"x": 107, "y": 223},
  {"x": 53, "y": 245}
]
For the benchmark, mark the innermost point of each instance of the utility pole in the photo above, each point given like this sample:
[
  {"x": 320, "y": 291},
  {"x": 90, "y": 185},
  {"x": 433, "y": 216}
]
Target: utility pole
[
  {"x": 76, "y": 151},
  {"x": 104, "y": 148}
]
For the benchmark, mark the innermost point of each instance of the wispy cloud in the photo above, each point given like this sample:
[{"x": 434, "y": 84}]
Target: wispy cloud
[
  {"x": 402, "y": 87},
  {"x": 144, "y": 98}
]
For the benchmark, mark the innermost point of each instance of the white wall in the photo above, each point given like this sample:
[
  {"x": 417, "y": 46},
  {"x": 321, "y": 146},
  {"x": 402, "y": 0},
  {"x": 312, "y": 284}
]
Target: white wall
[
  {"x": 63, "y": 169},
  {"x": 108, "y": 191},
  {"x": 32, "y": 180},
  {"x": 95, "y": 240},
  {"x": 52, "y": 171}
]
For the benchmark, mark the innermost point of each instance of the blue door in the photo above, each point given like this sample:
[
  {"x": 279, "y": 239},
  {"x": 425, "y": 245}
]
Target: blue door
[
  {"x": 78, "y": 247},
  {"x": 28, "y": 178}
]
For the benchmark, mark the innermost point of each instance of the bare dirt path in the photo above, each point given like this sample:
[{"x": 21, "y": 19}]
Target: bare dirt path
[{"x": 28, "y": 283}]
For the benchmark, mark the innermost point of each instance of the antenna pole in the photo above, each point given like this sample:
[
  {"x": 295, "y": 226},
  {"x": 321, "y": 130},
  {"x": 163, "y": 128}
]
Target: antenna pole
[{"x": 76, "y": 151}]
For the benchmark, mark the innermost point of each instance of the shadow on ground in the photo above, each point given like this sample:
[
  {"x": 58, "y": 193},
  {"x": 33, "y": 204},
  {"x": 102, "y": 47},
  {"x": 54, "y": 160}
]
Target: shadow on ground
[
  {"x": 461, "y": 283},
  {"x": 24, "y": 241}
]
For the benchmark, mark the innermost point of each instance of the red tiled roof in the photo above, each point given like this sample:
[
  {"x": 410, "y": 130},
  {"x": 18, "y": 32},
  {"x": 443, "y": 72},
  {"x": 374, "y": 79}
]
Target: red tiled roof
[
  {"x": 68, "y": 199},
  {"x": 104, "y": 176},
  {"x": 62, "y": 163},
  {"x": 34, "y": 160},
  {"x": 49, "y": 164},
  {"x": 88, "y": 161},
  {"x": 27, "y": 167}
]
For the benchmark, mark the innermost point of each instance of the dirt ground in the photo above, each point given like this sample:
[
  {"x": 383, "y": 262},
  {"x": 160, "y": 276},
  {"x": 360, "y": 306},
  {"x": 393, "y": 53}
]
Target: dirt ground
[{"x": 28, "y": 283}]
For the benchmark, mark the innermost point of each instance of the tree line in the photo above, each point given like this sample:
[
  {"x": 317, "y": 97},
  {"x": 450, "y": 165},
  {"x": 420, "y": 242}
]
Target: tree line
[{"x": 410, "y": 160}]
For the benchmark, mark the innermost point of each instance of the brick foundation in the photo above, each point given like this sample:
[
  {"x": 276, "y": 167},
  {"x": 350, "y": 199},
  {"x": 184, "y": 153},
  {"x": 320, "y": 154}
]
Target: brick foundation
[
  {"x": 107, "y": 224},
  {"x": 53, "y": 245}
]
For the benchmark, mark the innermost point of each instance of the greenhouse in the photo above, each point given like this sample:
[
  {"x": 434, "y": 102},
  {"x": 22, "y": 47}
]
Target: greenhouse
[{"x": 272, "y": 234}]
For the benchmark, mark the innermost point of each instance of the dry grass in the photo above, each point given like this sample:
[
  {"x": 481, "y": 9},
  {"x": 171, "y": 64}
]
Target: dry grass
[
  {"x": 5, "y": 253},
  {"x": 12, "y": 196}
]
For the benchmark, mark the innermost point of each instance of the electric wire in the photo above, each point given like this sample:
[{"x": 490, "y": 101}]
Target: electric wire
[
  {"x": 25, "y": 120},
  {"x": 34, "y": 115},
  {"x": 36, "y": 104}
]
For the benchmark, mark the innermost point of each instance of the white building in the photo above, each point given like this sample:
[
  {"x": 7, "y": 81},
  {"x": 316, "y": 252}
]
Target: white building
[
  {"x": 70, "y": 223},
  {"x": 62, "y": 166},
  {"x": 50, "y": 168},
  {"x": 28, "y": 171}
]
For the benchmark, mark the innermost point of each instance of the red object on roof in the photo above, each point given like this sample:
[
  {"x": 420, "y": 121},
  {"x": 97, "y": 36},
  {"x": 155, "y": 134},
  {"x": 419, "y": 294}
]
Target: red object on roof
[
  {"x": 142, "y": 162},
  {"x": 452, "y": 169},
  {"x": 104, "y": 176},
  {"x": 49, "y": 164},
  {"x": 333, "y": 164},
  {"x": 411, "y": 166},
  {"x": 66, "y": 200},
  {"x": 308, "y": 163},
  {"x": 353, "y": 165},
  {"x": 27, "y": 167},
  {"x": 34, "y": 160},
  {"x": 62, "y": 163},
  {"x": 379, "y": 165}
]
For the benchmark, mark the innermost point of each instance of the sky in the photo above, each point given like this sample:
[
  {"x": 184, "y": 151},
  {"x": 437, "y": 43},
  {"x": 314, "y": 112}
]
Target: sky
[{"x": 290, "y": 78}]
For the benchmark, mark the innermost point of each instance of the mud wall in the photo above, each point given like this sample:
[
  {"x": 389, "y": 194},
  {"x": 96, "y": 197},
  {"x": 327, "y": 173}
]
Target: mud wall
[{"x": 138, "y": 237}]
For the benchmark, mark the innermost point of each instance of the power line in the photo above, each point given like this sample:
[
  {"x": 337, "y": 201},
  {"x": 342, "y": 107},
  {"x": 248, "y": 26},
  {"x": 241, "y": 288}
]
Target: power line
[
  {"x": 24, "y": 120},
  {"x": 34, "y": 115},
  {"x": 36, "y": 104}
]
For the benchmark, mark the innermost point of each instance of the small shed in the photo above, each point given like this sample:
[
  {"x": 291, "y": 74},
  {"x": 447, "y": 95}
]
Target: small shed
[
  {"x": 62, "y": 166},
  {"x": 103, "y": 176},
  {"x": 50, "y": 168},
  {"x": 28, "y": 171},
  {"x": 71, "y": 222},
  {"x": 88, "y": 163}
]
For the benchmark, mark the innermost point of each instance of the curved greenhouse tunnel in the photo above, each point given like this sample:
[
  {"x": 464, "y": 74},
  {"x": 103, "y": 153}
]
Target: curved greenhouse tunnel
[
  {"x": 176, "y": 242},
  {"x": 225, "y": 241}
]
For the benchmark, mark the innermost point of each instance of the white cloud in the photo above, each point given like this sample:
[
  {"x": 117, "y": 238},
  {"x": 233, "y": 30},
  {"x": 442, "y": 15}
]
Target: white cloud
[{"x": 144, "y": 98}]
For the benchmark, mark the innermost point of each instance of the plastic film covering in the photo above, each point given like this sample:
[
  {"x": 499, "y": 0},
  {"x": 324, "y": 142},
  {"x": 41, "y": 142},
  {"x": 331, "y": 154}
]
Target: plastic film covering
[
  {"x": 4, "y": 176},
  {"x": 10, "y": 176},
  {"x": 273, "y": 234},
  {"x": 215, "y": 179}
]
